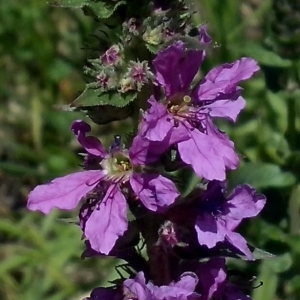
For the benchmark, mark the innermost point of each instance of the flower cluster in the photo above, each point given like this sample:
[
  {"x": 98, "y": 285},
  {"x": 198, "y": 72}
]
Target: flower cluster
[{"x": 185, "y": 237}]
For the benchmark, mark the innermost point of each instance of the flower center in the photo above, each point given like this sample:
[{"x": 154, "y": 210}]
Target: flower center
[
  {"x": 179, "y": 106},
  {"x": 213, "y": 206},
  {"x": 117, "y": 164}
]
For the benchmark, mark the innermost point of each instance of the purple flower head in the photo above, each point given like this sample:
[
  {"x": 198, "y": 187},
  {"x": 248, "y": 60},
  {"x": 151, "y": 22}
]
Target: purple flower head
[
  {"x": 103, "y": 80},
  {"x": 218, "y": 215},
  {"x": 186, "y": 114},
  {"x": 112, "y": 56},
  {"x": 109, "y": 179}
]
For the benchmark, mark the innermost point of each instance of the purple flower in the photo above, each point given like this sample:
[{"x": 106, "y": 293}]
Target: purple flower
[
  {"x": 183, "y": 289},
  {"x": 105, "y": 294},
  {"x": 214, "y": 282},
  {"x": 112, "y": 56},
  {"x": 185, "y": 116},
  {"x": 109, "y": 179},
  {"x": 137, "y": 288},
  {"x": 218, "y": 215}
]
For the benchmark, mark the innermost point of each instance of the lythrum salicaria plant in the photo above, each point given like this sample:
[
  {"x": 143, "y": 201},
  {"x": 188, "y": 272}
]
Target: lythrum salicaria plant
[{"x": 145, "y": 67}]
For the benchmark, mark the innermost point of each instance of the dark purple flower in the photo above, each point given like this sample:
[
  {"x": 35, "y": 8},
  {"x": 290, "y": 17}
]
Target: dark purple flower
[
  {"x": 186, "y": 114},
  {"x": 218, "y": 215},
  {"x": 108, "y": 293},
  {"x": 105, "y": 185},
  {"x": 215, "y": 284}
]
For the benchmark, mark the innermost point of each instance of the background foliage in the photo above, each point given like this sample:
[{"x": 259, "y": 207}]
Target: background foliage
[{"x": 42, "y": 54}]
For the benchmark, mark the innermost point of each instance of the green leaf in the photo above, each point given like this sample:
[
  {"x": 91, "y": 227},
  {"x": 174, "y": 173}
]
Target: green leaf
[
  {"x": 94, "y": 97},
  {"x": 101, "y": 9},
  {"x": 104, "y": 10},
  {"x": 281, "y": 263},
  {"x": 259, "y": 253},
  {"x": 153, "y": 48},
  {"x": 264, "y": 56},
  {"x": 68, "y": 3},
  {"x": 261, "y": 175},
  {"x": 270, "y": 280}
]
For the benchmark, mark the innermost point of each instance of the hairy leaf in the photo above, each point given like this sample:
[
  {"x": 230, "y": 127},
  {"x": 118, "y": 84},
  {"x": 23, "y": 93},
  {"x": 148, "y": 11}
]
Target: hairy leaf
[
  {"x": 94, "y": 97},
  {"x": 68, "y": 3},
  {"x": 101, "y": 9}
]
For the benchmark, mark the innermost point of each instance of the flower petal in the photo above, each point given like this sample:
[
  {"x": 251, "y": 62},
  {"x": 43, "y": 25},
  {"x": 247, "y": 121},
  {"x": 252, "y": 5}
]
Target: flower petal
[
  {"x": 91, "y": 144},
  {"x": 157, "y": 121},
  {"x": 108, "y": 293},
  {"x": 155, "y": 191},
  {"x": 208, "y": 230},
  {"x": 176, "y": 67},
  {"x": 221, "y": 82},
  {"x": 240, "y": 243},
  {"x": 63, "y": 192},
  {"x": 212, "y": 275},
  {"x": 137, "y": 288},
  {"x": 235, "y": 72},
  {"x": 224, "y": 147},
  {"x": 187, "y": 282},
  {"x": 143, "y": 151},
  {"x": 228, "y": 109},
  {"x": 244, "y": 202},
  {"x": 108, "y": 221},
  {"x": 204, "y": 154}
]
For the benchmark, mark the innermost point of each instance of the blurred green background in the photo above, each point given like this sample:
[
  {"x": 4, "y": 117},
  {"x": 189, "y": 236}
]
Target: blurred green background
[{"x": 41, "y": 59}]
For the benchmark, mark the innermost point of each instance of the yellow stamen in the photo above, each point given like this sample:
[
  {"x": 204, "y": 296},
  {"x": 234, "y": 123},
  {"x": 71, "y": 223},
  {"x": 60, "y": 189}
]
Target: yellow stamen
[{"x": 187, "y": 99}]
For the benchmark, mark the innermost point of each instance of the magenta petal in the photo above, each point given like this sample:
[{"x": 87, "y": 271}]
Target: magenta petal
[
  {"x": 157, "y": 121},
  {"x": 209, "y": 232},
  {"x": 233, "y": 73},
  {"x": 228, "y": 109},
  {"x": 187, "y": 282},
  {"x": 137, "y": 288},
  {"x": 223, "y": 146},
  {"x": 223, "y": 80},
  {"x": 240, "y": 243},
  {"x": 63, "y": 192},
  {"x": 204, "y": 154},
  {"x": 107, "y": 222},
  {"x": 91, "y": 144},
  {"x": 244, "y": 202},
  {"x": 212, "y": 275},
  {"x": 176, "y": 67},
  {"x": 209, "y": 90},
  {"x": 155, "y": 191}
]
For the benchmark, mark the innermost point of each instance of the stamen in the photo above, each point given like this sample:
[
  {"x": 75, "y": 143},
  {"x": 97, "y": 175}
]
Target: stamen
[{"x": 187, "y": 99}]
